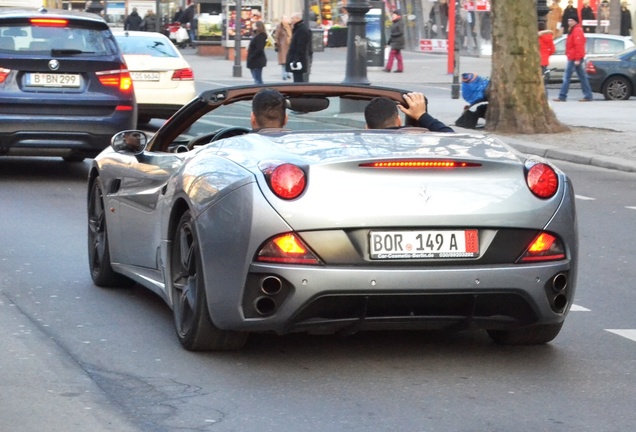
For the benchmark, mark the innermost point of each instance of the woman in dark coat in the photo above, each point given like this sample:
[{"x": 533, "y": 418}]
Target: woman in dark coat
[
  {"x": 300, "y": 51},
  {"x": 256, "y": 59}
]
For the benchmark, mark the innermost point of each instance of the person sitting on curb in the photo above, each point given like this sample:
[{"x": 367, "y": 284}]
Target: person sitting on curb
[
  {"x": 268, "y": 110},
  {"x": 382, "y": 113}
]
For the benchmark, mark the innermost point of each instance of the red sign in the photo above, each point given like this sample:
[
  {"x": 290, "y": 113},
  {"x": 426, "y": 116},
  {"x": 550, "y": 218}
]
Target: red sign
[
  {"x": 434, "y": 45},
  {"x": 477, "y": 5}
]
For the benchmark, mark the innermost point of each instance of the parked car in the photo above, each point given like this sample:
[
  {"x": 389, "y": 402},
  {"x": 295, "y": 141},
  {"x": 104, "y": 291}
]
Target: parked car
[
  {"x": 163, "y": 79},
  {"x": 64, "y": 83},
  {"x": 596, "y": 45},
  {"x": 614, "y": 76},
  {"x": 326, "y": 228}
]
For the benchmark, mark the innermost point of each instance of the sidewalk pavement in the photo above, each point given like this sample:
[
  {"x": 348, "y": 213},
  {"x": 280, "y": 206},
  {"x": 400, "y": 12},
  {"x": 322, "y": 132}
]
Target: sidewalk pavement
[{"x": 602, "y": 134}]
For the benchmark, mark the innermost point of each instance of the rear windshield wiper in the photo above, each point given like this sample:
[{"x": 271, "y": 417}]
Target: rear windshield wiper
[{"x": 62, "y": 52}]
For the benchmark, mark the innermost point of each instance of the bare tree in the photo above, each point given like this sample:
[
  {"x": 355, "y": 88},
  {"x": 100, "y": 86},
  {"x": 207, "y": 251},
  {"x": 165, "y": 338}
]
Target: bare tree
[{"x": 517, "y": 100}]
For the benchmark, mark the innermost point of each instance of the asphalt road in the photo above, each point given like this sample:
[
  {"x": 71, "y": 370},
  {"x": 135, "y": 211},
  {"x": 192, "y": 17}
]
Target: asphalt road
[{"x": 77, "y": 357}]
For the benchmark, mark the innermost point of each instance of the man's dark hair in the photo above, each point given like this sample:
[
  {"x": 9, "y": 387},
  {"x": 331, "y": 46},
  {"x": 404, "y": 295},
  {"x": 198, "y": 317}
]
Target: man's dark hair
[
  {"x": 268, "y": 107},
  {"x": 380, "y": 113}
]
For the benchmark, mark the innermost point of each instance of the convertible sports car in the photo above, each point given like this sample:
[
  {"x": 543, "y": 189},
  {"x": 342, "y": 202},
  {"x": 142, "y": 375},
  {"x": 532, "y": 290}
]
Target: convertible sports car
[{"x": 329, "y": 227}]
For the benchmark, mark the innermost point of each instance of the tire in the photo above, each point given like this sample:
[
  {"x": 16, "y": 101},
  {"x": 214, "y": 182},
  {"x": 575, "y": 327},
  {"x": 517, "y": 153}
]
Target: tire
[
  {"x": 535, "y": 335},
  {"x": 102, "y": 272},
  {"x": 617, "y": 88},
  {"x": 193, "y": 324}
]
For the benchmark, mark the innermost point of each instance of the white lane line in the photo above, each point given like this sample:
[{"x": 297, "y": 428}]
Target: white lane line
[
  {"x": 626, "y": 333},
  {"x": 577, "y": 308},
  {"x": 584, "y": 198},
  {"x": 631, "y": 207}
]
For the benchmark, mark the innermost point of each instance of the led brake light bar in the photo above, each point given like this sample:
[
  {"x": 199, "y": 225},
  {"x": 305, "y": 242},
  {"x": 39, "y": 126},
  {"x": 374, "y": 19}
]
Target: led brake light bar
[{"x": 420, "y": 163}]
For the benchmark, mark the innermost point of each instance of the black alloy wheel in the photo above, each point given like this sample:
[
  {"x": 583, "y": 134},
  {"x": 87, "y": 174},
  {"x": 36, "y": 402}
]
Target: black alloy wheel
[
  {"x": 102, "y": 272},
  {"x": 193, "y": 324}
]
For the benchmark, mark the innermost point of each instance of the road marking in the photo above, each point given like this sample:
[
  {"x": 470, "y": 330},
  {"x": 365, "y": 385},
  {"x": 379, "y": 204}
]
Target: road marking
[
  {"x": 584, "y": 198},
  {"x": 631, "y": 207},
  {"x": 626, "y": 333},
  {"x": 577, "y": 308}
]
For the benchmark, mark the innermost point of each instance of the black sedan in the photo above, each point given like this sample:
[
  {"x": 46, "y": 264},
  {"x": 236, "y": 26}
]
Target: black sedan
[{"x": 614, "y": 76}]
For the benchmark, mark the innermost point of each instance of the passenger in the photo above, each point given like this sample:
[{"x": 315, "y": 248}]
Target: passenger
[
  {"x": 382, "y": 113},
  {"x": 268, "y": 110}
]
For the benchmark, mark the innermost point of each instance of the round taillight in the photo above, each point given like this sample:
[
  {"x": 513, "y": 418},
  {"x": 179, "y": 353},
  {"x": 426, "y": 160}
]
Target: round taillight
[
  {"x": 542, "y": 180},
  {"x": 287, "y": 181}
]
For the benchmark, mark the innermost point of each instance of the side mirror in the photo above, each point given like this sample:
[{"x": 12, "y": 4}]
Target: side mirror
[{"x": 129, "y": 141}]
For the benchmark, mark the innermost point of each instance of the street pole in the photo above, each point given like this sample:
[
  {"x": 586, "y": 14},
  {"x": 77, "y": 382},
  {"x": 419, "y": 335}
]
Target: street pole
[
  {"x": 453, "y": 39},
  {"x": 237, "y": 71},
  {"x": 357, "y": 42},
  {"x": 542, "y": 10},
  {"x": 306, "y": 11}
]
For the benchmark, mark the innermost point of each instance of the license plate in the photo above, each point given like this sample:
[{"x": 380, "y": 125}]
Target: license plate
[
  {"x": 443, "y": 244},
  {"x": 53, "y": 80},
  {"x": 145, "y": 76}
]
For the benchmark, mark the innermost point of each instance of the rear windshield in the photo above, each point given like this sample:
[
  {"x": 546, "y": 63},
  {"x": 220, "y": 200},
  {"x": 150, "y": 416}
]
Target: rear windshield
[
  {"x": 155, "y": 46},
  {"x": 29, "y": 40}
]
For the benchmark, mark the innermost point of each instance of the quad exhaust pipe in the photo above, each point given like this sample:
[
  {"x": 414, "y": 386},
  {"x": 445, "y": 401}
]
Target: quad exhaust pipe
[
  {"x": 559, "y": 284},
  {"x": 270, "y": 286}
]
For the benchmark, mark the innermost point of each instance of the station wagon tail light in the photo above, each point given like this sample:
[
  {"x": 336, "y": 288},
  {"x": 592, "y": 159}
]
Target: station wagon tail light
[
  {"x": 119, "y": 78},
  {"x": 48, "y": 22},
  {"x": 4, "y": 73},
  {"x": 419, "y": 164},
  {"x": 544, "y": 247},
  {"x": 542, "y": 180},
  {"x": 286, "y": 180},
  {"x": 185, "y": 74},
  {"x": 590, "y": 68},
  {"x": 286, "y": 248}
]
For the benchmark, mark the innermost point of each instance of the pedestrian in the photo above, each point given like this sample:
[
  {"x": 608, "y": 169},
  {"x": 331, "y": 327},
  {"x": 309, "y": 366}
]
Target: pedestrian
[
  {"x": 282, "y": 38},
  {"x": 546, "y": 49},
  {"x": 587, "y": 14},
  {"x": 604, "y": 16},
  {"x": 300, "y": 53},
  {"x": 382, "y": 113},
  {"x": 256, "y": 59},
  {"x": 150, "y": 23},
  {"x": 187, "y": 21},
  {"x": 177, "y": 15},
  {"x": 133, "y": 21},
  {"x": 569, "y": 12},
  {"x": 268, "y": 110},
  {"x": 396, "y": 42},
  {"x": 626, "y": 20},
  {"x": 575, "y": 53},
  {"x": 554, "y": 18}
]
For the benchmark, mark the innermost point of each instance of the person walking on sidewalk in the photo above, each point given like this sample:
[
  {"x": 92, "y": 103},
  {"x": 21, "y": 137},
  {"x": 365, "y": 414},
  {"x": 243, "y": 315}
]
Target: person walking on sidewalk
[
  {"x": 282, "y": 38},
  {"x": 396, "y": 42},
  {"x": 546, "y": 49},
  {"x": 300, "y": 52},
  {"x": 575, "y": 53},
  {"x": 133, "y": 21},
  {"x": 256, "y": 59}
]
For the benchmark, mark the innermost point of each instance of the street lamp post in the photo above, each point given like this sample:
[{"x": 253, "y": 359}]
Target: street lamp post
[
  {"x": 237, "y": 71},
  {"x": 542, "y": 10},
  {"x": 357, "y": 42}
]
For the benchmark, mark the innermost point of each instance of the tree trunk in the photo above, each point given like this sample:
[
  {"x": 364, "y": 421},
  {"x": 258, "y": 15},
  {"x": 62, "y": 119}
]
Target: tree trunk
[{"x": 516, "y": 97}]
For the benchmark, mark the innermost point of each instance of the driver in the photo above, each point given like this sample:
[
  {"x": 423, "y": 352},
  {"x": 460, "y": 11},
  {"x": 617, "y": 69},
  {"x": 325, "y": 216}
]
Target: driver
[{"x": 268, "y": 110}]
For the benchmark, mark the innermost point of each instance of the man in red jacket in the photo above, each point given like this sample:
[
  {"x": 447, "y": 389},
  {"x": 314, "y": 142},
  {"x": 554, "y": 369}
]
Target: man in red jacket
[{"x": 575, "y": 52}]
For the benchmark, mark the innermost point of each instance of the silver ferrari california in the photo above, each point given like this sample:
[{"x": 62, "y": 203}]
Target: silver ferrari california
[{"x": 328, "y": 227}]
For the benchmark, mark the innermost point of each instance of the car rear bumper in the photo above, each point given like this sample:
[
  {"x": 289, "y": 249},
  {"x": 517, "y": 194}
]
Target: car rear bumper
[
  {"x": 330, "y": 300},
  {"x": 61, "y": 136}
]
